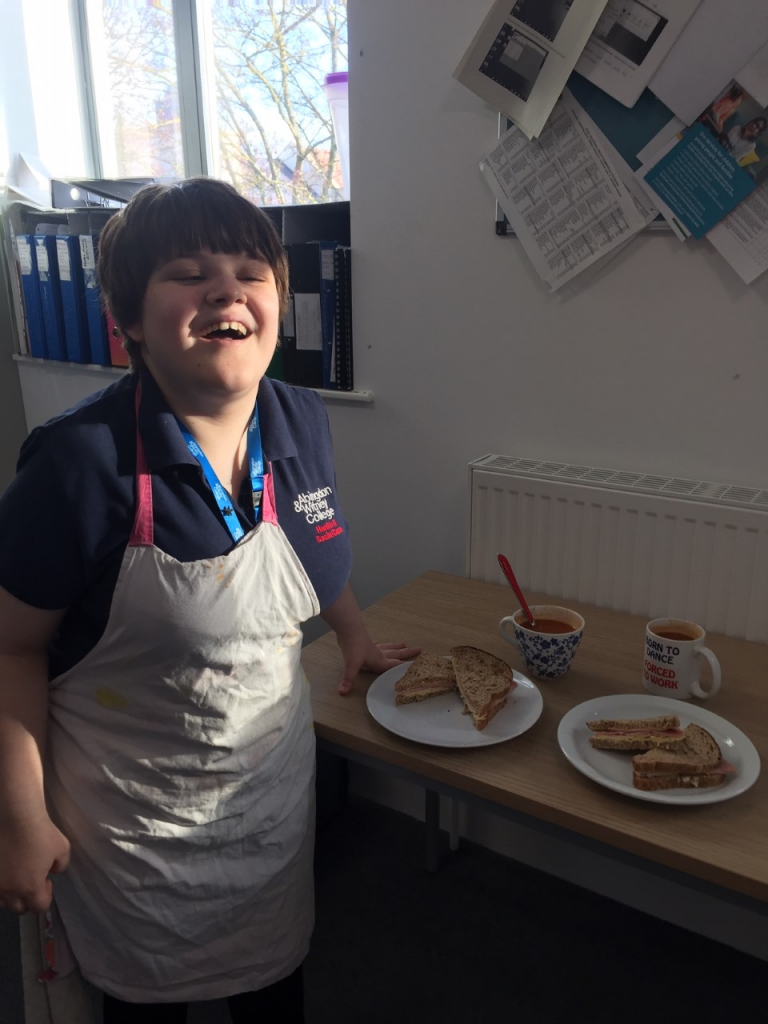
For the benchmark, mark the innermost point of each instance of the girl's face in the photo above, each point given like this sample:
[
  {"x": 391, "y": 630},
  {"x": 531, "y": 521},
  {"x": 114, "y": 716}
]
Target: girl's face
[{"x": 209, "y": 324}]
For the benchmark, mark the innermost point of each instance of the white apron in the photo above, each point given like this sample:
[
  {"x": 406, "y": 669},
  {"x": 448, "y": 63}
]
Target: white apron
[{"x": 181, "y": 767}]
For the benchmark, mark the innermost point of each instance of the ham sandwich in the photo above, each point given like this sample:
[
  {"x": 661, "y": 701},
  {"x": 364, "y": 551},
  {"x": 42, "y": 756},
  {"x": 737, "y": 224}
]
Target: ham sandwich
[
  {"x": 662, "y": 733},
  {"x": 695, "y": 763},
  {"x": 428, "y": 675},
  {"x": 484, "y": 682}
]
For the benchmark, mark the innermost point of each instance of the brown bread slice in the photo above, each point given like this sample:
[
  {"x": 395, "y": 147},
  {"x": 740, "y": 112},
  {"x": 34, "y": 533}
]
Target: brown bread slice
[
  {"x": 697, "y": 753},
  {"x": 484, "y": 681},
  {"x": 428, "y": 675},
  {"x": 658, "y": 723},
  {"x": 651, "y": 741},
  {"x": 653, "y": 783},
  {"x": 656, "y": 736},
  {"x": 689, "y": 766}
]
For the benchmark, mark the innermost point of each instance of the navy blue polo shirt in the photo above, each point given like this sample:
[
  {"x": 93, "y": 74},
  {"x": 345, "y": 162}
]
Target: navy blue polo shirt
[{"x": 66, "y": 519}]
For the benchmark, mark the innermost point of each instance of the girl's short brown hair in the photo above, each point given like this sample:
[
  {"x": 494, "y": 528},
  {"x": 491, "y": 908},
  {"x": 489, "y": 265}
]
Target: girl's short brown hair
[{"x": 161, "y": 223}]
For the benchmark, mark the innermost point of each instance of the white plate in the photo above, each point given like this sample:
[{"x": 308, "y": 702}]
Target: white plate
[
  {"x": 439, "y": 721},
  {"x": 614, "y": 769}
]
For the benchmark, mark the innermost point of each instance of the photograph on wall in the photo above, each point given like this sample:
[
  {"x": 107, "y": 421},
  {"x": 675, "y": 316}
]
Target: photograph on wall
[
  {"x": 523, "y": 53},
  {"x": 629, "y": 43},
  {"x": 740, "y": 125},
  {"x": 629, "y": 28},
  {"x": 543, "y": 16},
  {"x": 514, "y": 62}
]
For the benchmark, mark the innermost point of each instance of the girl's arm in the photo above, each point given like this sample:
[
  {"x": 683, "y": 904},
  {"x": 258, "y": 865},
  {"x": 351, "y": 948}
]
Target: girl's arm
[
  {"x": 30, "y": 845},
  {"x": 360, "y": 653}
]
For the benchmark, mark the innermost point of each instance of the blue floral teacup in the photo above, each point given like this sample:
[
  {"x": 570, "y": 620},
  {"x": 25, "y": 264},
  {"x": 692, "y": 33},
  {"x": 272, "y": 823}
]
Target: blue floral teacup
[{"x": 548, "y": 649}]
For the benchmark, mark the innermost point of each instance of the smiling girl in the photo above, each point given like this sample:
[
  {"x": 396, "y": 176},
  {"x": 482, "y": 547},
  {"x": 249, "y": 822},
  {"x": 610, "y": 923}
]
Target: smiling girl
[{"x": 158, "y": 559}]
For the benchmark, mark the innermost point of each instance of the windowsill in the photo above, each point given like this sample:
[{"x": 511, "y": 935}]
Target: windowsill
[{"x": 360, "y": 397}]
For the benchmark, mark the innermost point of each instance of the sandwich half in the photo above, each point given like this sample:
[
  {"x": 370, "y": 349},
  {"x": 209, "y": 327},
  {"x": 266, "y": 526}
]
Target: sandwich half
[
  {"x": 484, "y": 682},
  {"x": 662, "y": 733},
  {"x": 428, "y": 675},
  {"x": 696, "y": 763}
]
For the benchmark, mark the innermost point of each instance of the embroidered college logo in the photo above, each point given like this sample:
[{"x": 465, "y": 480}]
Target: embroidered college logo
[{"x": 317, "y": 510}]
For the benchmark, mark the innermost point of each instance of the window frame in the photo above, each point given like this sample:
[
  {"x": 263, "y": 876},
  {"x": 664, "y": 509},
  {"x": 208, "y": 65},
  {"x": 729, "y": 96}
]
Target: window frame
[
  {"x": 195, "y": 79},
  {"x": 194, "y": 105},
  {"x": 192, "y": 121}
]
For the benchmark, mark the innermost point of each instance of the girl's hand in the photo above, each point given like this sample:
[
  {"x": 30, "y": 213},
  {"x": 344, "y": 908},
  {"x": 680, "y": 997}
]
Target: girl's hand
[
  {"x": 29, "y": 851},
  {"x": 357, "y": 648},
  {"x": 362, "y": 655}
]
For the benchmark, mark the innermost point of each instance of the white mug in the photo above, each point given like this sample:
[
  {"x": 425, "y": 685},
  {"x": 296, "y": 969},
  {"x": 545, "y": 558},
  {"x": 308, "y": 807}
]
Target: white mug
[{"x": 672, "y": 663}]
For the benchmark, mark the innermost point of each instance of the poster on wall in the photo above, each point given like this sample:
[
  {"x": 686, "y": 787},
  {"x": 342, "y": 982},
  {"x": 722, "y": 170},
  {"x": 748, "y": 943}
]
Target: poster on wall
[
  {"x": 565, "y": 194},
  {"x": 716, "y": 164},
  {"x": 523, "y": 53}
]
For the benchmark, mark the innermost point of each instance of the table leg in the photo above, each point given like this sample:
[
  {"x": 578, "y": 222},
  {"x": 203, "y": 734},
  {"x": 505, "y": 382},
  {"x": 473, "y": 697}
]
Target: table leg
[
  {"x": 431, "y": 830},
  {"x": 453, "y": 833}
]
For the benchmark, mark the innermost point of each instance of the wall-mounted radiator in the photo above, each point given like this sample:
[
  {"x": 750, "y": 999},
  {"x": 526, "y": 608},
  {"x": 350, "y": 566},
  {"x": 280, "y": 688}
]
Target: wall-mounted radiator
[{"x": 643, "y": 544}]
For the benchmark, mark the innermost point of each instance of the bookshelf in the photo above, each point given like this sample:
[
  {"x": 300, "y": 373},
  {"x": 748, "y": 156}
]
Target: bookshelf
[{"x": 50, "y": 385}]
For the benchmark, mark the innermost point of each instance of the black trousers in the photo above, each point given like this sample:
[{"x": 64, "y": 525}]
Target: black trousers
[{"x": 281, "y": 1003}]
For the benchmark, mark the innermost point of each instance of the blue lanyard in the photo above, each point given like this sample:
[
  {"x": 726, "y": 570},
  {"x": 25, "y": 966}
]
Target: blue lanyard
[{"x": 255, "y": 467}]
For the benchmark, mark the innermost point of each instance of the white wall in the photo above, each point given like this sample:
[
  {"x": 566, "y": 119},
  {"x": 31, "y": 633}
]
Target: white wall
[{"x": 659, "y": 365}]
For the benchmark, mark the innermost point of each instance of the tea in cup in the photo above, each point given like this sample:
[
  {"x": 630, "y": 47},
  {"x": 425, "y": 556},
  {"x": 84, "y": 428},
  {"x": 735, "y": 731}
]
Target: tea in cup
[
  {"x": 549, "y": 643},
  {"x": 672, "y": 663}
]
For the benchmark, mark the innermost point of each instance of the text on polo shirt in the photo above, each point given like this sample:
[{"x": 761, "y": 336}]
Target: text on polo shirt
[{"x": 314, "y": 505}]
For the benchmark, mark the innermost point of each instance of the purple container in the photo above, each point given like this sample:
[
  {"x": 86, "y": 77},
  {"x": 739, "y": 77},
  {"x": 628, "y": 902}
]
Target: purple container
[{"x": 336, "y": 92}]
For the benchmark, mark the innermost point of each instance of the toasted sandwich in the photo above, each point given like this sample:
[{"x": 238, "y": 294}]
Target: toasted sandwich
[
  {"x": 695, "y": 763},
  {"x": 484, "y": 682},
  {"x": 428, "y": 675},
  {"x": 662, "y": 733}
]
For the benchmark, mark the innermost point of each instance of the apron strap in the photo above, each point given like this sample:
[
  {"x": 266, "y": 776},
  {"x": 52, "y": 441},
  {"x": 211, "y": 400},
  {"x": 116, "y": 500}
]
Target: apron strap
[
  {"x": 142, "y": 534},
  {"x": 268, "y": 506}
]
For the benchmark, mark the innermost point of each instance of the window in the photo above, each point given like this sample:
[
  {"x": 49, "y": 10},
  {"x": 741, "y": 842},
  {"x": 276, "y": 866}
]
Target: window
[
  {"x": 132, "y": 58},
  {"x": 30, "y": 45},
  {"x": 273, "y": 137},
  {"x": 168, "y": 88}
]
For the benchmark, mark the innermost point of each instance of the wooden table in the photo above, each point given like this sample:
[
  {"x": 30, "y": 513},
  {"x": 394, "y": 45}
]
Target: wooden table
[{"x": 724, "y": 843}]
